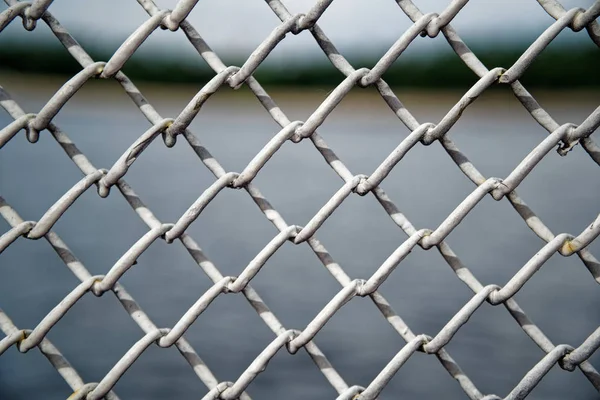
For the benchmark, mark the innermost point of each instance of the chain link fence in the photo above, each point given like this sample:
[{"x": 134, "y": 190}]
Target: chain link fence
[{"x": 562, "y": 137}]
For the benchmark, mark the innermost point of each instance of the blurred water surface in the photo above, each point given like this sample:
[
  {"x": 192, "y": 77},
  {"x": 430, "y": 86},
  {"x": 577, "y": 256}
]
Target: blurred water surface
[{"x": 495, "y": 132}]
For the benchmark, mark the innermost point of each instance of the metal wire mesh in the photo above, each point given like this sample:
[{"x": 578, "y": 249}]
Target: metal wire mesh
[{"x": 563, "y": 137}]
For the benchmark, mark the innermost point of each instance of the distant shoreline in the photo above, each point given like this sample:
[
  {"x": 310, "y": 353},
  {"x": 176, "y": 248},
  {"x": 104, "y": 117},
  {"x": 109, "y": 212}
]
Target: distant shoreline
[
  {"x": 563, "y": 67},
  {"x": 32, "y": 91}
]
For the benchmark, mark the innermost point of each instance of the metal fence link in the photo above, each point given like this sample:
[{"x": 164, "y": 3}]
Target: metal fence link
[{"x": 562, "y": 137}]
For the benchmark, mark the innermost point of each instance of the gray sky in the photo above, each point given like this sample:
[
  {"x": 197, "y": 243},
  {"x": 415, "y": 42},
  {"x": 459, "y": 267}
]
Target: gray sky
[{"x": 238, "y": 26}]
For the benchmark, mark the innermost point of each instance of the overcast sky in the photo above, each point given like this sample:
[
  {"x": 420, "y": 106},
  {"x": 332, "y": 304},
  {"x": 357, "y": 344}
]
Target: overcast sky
[{"x": 238, "y": 26}]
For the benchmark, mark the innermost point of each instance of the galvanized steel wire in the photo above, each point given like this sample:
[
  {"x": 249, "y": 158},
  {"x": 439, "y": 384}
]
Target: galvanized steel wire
[{"x": 563, "y": 137}]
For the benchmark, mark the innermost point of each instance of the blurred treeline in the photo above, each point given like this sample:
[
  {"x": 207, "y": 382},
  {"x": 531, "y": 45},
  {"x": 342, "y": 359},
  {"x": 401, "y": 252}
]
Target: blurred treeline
[{"x": 561, "y": 67}]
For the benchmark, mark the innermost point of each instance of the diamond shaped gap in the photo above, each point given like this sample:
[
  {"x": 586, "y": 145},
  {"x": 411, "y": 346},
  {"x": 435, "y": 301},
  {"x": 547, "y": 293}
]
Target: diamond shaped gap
[
  {"x": 233, "y": 141},
  {"x": 86, "y": 332},
  {"x": 297, "y": 182},
  {"x": 294, "y": 285},
  {"x": 367, "y": 341},
  {"x": 359, "y": 236},
  {"x": 414, "y": 288},
  {"x": 227, "y": 242},
  {"x": 102, "y": 136},
  {"x": 482, "y": 361},
  {"x": 165, "y": 282},
  {"x": 426, "y": 186},
  {"x": 490, "y": 229},
  {"x": 111, "y": 219},
  {"x": 167, "y": 180},
  {"x": 361, "y": 130},
  {"x": 222, "y": 333},
  {"x": 488, "y": 129}
]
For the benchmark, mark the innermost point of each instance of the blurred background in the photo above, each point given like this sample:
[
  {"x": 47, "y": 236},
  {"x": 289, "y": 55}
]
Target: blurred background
[
  {"x": 498, "y": 32},
  {"x": 495, "y": 132}
]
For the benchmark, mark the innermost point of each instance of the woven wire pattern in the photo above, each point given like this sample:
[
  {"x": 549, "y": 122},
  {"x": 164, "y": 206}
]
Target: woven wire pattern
[{"x": 563, "y": 137}]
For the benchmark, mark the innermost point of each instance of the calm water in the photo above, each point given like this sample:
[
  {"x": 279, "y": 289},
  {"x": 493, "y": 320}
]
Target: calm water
[{"x": 496, "y": 133}]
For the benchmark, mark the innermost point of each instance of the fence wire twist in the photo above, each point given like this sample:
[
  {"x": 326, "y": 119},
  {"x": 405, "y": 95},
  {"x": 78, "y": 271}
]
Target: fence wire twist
[{"x": 563, "y": 137}]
